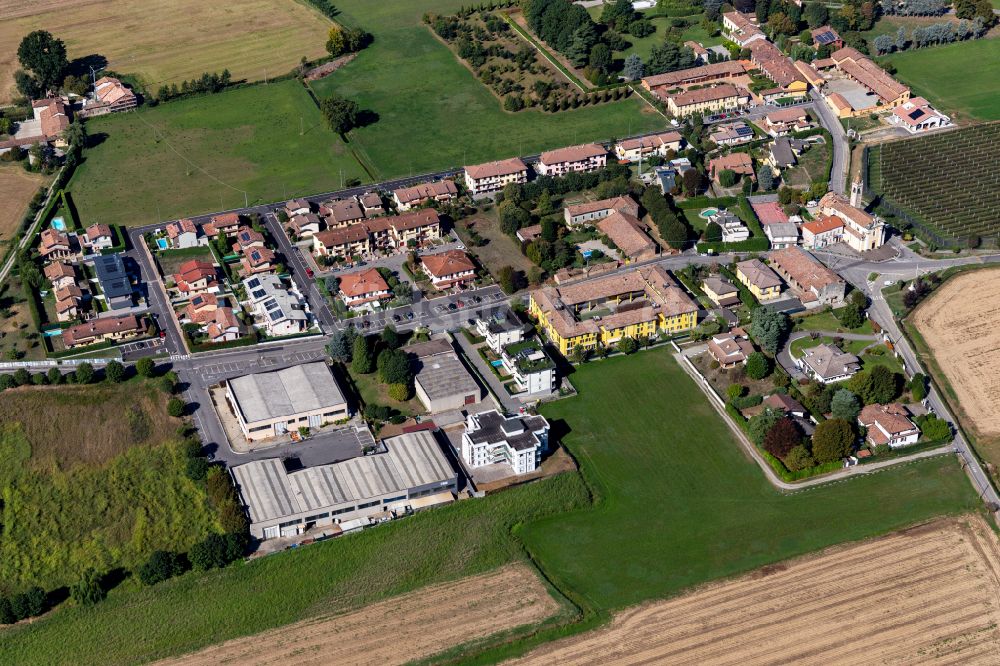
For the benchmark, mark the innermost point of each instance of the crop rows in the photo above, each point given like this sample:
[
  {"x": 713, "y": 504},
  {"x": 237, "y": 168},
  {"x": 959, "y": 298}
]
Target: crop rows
[{"x": 948, "y": 180}]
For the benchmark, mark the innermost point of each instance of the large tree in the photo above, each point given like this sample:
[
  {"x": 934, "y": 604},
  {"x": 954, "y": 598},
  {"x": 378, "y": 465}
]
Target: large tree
[
  {"x": 877, "y": 385},
  {"x": 760, "y": 425},
  {"x": 341, "y": 114},
  {"x": 832, "y": 440},
  {"x": 634, "y": 69},
  {"x": 845, "y": 405},
  {"x": 45, "y": 57},
  {"x": 768, "y": 328},
  {"x": 783, "y": 436},
  {"x": 758, "y": 366},
  {"x": 361, "y": 360}
]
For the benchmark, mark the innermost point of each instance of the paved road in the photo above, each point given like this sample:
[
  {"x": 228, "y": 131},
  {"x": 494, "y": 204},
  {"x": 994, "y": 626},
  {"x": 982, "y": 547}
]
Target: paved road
[{"x": 841, "y": 150}]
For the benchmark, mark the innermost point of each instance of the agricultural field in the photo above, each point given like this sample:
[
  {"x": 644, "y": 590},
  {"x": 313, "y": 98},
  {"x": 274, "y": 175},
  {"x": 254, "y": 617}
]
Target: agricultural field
[
  {"x": 967, "y": 202},
  {"x": 432, "y": 111},
  {"x": 940, "y": 580},
  {"x": 17, "y": 187},
  {"x": 92, "y": 477},
  {"x": 199, "y": 155},
  {"x": 422, "y": 622},
  {"x": 959, "y": 340},
  {"x": 931, "y": 74},
  {"x": 249, "y": 37}
]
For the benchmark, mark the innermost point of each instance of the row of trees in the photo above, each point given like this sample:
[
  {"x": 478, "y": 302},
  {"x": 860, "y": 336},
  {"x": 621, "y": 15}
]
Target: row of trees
[
  {"x": 209, "y": 82},
  {"x": 381, "y": 354},
  {"x": 350, "y": 40},
  {"x": 945, "y": 32}
]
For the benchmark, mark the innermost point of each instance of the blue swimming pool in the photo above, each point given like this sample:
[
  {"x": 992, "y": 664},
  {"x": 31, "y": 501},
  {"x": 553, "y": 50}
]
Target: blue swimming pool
[
  {"x": 496, "y": 364},
  {"x": 162, "y": 243},
  {"x": 58, "y": 224}
]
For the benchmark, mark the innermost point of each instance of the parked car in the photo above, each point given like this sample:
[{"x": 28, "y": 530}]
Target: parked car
[
  {"x": 409, "y": 315},
  {"x": 309, "y": 273},
  {"x": 395, "y": 317}
]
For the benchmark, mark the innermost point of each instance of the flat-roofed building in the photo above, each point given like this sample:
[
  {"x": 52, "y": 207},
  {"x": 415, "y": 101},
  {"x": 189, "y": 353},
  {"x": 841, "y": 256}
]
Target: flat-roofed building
[
  {"x": 441, "y": 380},
  {"x": 116, "y": 286},
  {"x": 282, "y": 503},
  {"x": 491, "y": 177},
  {"x": 270, "y": 404},
  {"x": 582, "y": 158},
  {"x": 491, "y": 438},
  {"x": 501, "y": 329}
]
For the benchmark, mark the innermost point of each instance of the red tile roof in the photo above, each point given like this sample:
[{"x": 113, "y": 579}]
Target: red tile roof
[
  {"x": 447, "y": 263},
  {"x": 362, "y": 283}
]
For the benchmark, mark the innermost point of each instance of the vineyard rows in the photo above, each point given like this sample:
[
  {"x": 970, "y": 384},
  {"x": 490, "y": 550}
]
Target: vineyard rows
[{"x": 948, "y": 180}]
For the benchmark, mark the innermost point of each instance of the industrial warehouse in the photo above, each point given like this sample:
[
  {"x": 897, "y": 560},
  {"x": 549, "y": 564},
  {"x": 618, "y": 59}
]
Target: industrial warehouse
[{"x": 405, "y": 473}]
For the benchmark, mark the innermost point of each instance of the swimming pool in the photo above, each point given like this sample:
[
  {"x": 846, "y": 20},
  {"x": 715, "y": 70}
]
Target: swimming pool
[
  {"x": 58, "y": 224},
  {"x": 162, "y": 243},
  {"x": 496, "y": 364},
  {"x": 708, "y": 213}
]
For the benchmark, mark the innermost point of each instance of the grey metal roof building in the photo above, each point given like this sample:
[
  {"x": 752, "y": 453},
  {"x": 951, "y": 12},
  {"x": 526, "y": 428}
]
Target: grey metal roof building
[
  {"x": 442, "y": 383},
  {"x": 281, "y": 503},
  {"x": 268, "y": 404}
]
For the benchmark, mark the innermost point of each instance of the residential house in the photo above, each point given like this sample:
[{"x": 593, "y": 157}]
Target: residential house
[
  {"x": 917, "y": 115},
  {"x": 741, "y": 28},
  {"x": 371, "y": 204},
  {"x": 98, "y": 237},
  {"x": 381, "y": 235},
  {"x": 345, "y": 242},
  {"x": 297, "y": 207},
  {"x": 762, "y": 282},
  {"x": 586, "y": 157},
  {"x": 814, "y": 283},
  {"x": 247, "y": 239},
  {"x": 593, "y": 211},
  {"x": 416, "y": 227},
  {"x": 888, "y": 425},
  {"x": 732, "y": 134},
  {"x": 277, "y": 310},
  {"x": 102, "y": 329},
  {"x": 826, "y": 36},
  {"x": 257, "y": 260},
  {"x": 720, "y": 291},
  {"x": 782, "y": 235},
  {"x": 195, "y": 277},
  {"x": 306, "y": 225},
  {"x": 482, "y": 179},
  {"x": 784, "y": 403},
  {"x": 182, "y": 234},
  {"x": 111, "y": 96},
  {"x": 638, "y": 303},
  {"x": 225, "y": 327},
  {"x": 55, "y": 245},
  {"x": 528, "y": 233},
  {"x": 225, "y": 223},
  {"x": 68, "y": 300},
  {"x": 739, "y": 163},
  {"x": 862, "y": 231},
  {"x": 341, "y": 213},
  {"x": 500, "y": 329},
  {"x": 201, "y": 309},
  {"x": 364, "y": 288},
  {"x": 629, "y": 235},
  {"x": 699, "y": 51},
  {"x": 491, "y": 438},
  {"x": 52, "y": 117},
  {"x": 660, "y": 145},
  {"x": 780, "y": 155},
  {"x": 441, "y": 191},
  {"x": 60, "y": 274},
  {"x": 717, "y": 99},
  {"x": 828, "y": 364},
  {"x": 114, "y": 281},
  {"x": 730, "y": 350},
  {"x": 733, "y": 229},
  {"x": 451, "y": 268},
  {"x": 787, "y": 120},
  {"x": 823, "y": 231},
  {"x": 533, "y": 371}
]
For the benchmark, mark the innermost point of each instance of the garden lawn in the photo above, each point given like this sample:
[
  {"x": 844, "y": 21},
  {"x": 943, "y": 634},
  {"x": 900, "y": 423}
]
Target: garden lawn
[
  {"x": 827, "y": 321},
  {"x": 850, "y": 346},
  {"x": 267, "y": 140},
  {"x": 680, "y": 504},
  {"x": 931, "y": 73},
  {"x": 432, "y": 112}
]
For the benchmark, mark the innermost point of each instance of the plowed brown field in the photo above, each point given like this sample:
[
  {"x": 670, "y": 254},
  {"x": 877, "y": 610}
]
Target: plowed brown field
[
  {"x": 402, "y": 629},
  {"x": 931, "y": 593}
]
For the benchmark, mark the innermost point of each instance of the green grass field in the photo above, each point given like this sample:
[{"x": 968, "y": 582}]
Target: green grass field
[
  {"x": 679, "y": 502},
  {"x": 267, "y": 140},
  {"x": 931, "y": 72},
  {"x": 434, "y": 114},
  {"x": 827, "y": 321}
]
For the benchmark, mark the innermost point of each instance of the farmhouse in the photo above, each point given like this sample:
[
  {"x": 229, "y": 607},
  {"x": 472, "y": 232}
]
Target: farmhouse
[
  {"x": 406, "y": 473},
  {"x": 778, "y": 68},
  {"x": 642, "y": 302},
  {"x": 501, "y": 329},
  {"x": 630, "y": 150},
  {"x": 809, "y": 73},
  {"x": 110, "y": 96},
  {"x": 741, "y": 28},
  {"x": 533, "y": 371},
  {"x": 441, "y": 191},
  {"x": 103, "y": 329},
  {"x": 493, "y": 176},
  {"x": 739, "y": 163},
  {"x": 827, "y": 364},
  {"x": 270, "y": 404},
  {"x": 917, "y": 115},
  {"x": 586, "y": 157},
  {"x": 729, "y": 350},
  {"x": 814, "y": 282},
  {"x": 596, "y": 210},
  {"x": 364, "y": 288},
  {"x": 860, "y": 68},
  {"x": 723, "y": 97},
  {"x": 720, "y": 291},
  {"x": 196, "y": 276},
  {"x": 51, "y": 117},
  {"x": 629, "y": 236},
  {"x": 441, "y": 381},
  {"x": 277, "y": 309},
  {"x": 888, "y": 425},
  {"x": 759, "y": 279},
  {"x": 451, "y": 268},
  {"x": 114, "y": 281},
  {"x": 826, "y": 36},
  {"x": 719, "y": 72},
  {"x": 491, "y": 438}
]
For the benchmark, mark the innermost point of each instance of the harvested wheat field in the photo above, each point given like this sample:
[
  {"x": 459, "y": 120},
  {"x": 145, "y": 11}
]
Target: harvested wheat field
[
  {"x": 959, "y": 324},
  {"x": 399, "y": 630},
  {"x": 17, "y": 186},
  {"x": 167, "y": 42},
  {"x": 930, "y": 593}
]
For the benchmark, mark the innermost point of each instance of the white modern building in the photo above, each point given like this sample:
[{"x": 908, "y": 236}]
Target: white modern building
[
  {"x": 491, "y": 438},
  {"x": 501, "y": 329},
  {"x": 277, "y": 310},
  {"x": 733, "y": 229},
  {"x": 532, "y": 369}
]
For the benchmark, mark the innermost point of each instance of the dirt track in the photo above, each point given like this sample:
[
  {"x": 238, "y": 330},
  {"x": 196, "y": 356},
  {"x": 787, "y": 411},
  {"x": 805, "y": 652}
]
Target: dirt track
[
  {"x": 402, "y": 629},
  {"x": 929, "y": 594},
  {"x": 959, "y": 324}
]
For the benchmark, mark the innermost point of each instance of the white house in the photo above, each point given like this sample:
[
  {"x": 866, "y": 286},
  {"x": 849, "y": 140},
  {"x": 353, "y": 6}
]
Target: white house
[
  {"x": 277, "y": 309},
  {"x": 500, "y": 330},
  {"x": 586, "y": 157},
  {"x": 491, "y": 438},
  {"x": 889, "y": 425},
  {"x": 917, "y": 115},
  {"x": 827, "y": 364},
  {"x": 182, "y": 234},
  {"x": 532, "y": 369},
  {"x": 733, "y": 229}
]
